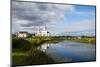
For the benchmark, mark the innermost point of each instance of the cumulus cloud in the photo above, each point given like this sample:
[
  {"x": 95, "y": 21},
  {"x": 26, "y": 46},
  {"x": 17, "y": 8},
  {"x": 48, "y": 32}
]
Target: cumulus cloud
[{"x": 26, "y": 14}]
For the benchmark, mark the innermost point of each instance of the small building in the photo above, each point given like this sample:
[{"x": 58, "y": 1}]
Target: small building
[{"x": 22, "y": 34}]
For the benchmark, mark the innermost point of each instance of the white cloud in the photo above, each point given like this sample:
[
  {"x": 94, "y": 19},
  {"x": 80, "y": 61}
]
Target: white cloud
[
  {"x": 86, "y": 27},
  {"x": 28, "y": 14}
]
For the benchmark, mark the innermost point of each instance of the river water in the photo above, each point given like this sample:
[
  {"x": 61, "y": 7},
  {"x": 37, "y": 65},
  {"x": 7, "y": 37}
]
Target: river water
[{"x": 70, "y": 51}]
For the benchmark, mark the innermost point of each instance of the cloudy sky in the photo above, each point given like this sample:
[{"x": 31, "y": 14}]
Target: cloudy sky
[{"x": 60, "y": 19}]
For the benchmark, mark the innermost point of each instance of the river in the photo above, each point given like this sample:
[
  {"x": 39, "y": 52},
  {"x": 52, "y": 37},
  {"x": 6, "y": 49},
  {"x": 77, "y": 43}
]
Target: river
[{"x": 70, "y": 51}]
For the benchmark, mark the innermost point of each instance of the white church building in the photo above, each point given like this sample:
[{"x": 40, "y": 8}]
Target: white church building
[{"x": 42, "y": 31}]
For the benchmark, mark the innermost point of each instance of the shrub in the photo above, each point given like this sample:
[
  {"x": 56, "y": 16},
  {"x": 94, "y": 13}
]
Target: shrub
[{"x": 21, "y": 44}]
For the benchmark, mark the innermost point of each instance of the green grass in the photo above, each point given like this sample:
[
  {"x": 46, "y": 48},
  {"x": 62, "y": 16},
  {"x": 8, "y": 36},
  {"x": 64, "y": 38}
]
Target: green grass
[
  {"x": 34, "y": 56},
  {"x": 21, "y": 44},
  {"x": 19, "y": 58},
  {"x": 83, "y": 40},
  {"x": 24, "y": 52}
]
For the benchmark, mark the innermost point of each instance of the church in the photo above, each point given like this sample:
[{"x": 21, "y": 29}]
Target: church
[{"x": 42, "y": 31}]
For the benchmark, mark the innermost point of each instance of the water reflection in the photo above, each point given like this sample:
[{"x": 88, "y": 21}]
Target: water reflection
[
  {"x": 44, "y": 47},
  {"x": 69, "y": 51}
]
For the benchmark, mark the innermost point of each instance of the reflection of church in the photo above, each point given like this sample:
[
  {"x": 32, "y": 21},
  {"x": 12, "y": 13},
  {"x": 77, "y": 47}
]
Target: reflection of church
[
  {"x": 44, "y": 47},
  {"x": 42, "y": 31}
]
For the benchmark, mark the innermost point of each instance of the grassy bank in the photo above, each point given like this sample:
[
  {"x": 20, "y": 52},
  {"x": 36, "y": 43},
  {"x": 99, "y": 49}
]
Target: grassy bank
[
  {"x": 24, "y": 52},
  {"x": 34, "y": 56},
  {"x": 38, "y": 40},
  {"x": 83, "y": 40}
]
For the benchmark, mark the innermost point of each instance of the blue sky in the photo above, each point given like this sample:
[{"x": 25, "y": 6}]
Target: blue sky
[
  {"x": 81, "y": 16},
  {"x": 60, "y": 19}
]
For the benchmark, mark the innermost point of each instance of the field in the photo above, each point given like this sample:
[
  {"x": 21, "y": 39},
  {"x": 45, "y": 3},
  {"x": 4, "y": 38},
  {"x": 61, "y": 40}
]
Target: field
[{"x": 84, "y": 40}]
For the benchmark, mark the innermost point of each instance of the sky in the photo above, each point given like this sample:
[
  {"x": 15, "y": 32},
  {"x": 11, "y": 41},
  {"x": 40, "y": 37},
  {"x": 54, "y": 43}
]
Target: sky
[{"x": 60, "y": 19}]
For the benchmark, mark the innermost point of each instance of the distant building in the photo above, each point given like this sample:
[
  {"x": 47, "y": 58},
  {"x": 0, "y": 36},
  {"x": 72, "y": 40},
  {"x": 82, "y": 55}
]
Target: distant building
[
  {"x": 22, "y": 34},
  {"x": 42, "y": 31}
]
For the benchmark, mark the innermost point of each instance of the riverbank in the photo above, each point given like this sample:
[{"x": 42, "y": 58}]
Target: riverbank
[
  {"x": 24, "y": 52},
  {"x": 34, "y": 57},
  {"x": 83, "y": 40}
]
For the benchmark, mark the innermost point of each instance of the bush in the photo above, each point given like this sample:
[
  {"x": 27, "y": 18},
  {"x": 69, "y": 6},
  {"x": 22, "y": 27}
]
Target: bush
[{"x": 21, "y": 44}]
